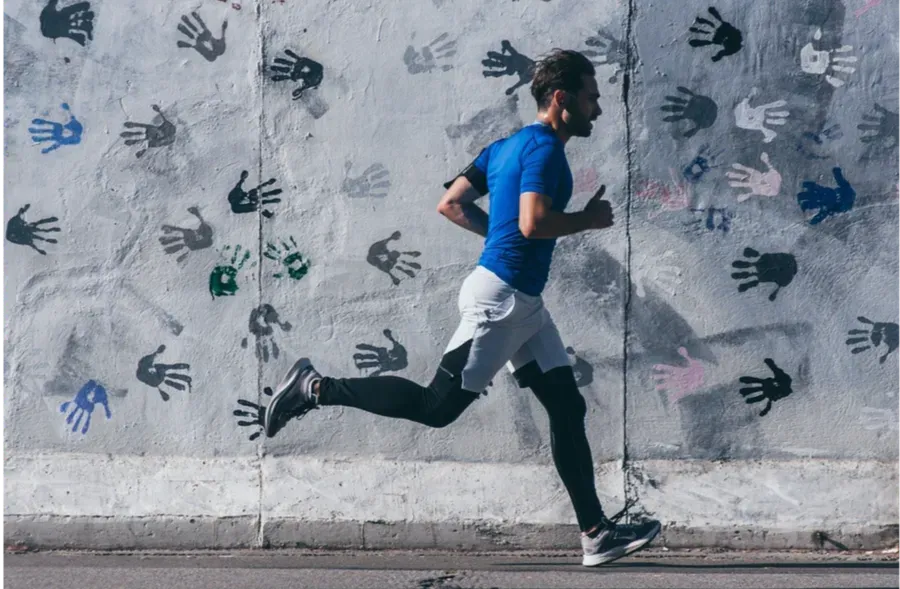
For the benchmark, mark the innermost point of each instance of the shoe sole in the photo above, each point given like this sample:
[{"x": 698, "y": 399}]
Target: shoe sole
[
  {"x": 597, "y": 559},
  {"x": 283, "y": 387}
]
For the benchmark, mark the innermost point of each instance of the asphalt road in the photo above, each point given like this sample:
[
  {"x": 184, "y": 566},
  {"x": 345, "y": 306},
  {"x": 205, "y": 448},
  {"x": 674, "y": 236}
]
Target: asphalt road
[{"x": 277, "y": 569}]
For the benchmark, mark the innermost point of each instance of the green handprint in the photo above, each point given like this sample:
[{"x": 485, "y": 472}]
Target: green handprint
[
  {"x": 223, "y": 280},
  {"x": 297, "y": 266}
]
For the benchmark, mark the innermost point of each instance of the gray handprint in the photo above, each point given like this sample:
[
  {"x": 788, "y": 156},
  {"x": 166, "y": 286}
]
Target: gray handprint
[
  {"x": 155, "y": 136},
  {"x": 374, "y": 182},
  {"x": 388, "y": 260},
  {"x": 176, "y": 239},
  {"x": 584, "y": 372},
  {"x": 888, "y": 333},
  {"x": 508, "y": 62},
  {"x": 430, "y": 56},
  {"x": 609, "y": 51},
  {"x": 20, "y": 232},
  {"x": 881, "y": 131},
  {"x": 155, "y": 375},
  {"x": 701, "y": 110},
  {"x": 381, "y": 358},
  {"x": 201, "y": 38},
  {"x": 262, "y": 318},
  {"x": 488, "y": 124}
]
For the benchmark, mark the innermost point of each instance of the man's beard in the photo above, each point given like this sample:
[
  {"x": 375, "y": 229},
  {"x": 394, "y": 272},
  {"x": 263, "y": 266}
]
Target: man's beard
[{"x": 578, "y": 125}]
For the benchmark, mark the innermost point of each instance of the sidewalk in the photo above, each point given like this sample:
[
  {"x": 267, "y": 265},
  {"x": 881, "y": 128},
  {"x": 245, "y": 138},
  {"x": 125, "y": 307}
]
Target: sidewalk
[{"x": 271, "y": 569}]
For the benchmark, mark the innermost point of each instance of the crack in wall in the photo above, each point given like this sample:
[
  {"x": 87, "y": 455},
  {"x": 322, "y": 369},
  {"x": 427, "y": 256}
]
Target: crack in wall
[{"x": 260, "y": 449}]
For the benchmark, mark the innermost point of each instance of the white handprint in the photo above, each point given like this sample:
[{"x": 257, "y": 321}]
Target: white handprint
[
  {"x": 874, "y": 419},
  {"x": 766, "y": 183},
  {"x": 665, "y": 277},
  {"x": 756, "y": 118},
  {"x": 813, "y": 61}
]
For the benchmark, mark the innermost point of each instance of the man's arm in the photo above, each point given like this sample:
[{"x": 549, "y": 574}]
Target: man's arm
[
  {"x": 538, "y": 221},
  {"x": 458, "y": 205}
]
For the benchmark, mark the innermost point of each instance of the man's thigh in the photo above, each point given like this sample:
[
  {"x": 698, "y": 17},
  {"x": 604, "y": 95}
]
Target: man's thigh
[{"x": 545, "y": 349}]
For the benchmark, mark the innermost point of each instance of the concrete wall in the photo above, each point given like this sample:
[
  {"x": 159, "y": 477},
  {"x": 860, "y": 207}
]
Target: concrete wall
[{"x": 217, "y": 218}]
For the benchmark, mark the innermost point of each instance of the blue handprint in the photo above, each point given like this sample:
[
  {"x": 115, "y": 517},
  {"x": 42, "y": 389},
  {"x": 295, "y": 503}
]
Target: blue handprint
[
  {"x": 56, "y": 132},
  {"x": 90, "y": 395},
  {"x": 827, "y": 200}
]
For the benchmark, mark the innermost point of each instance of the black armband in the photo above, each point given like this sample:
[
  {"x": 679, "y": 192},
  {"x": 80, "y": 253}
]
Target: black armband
[{"x": 476, "y": 177}]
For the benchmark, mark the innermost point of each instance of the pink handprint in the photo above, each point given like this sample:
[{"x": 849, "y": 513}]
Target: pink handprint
[
  {"x": 679, "y": 381},
  {"x": 674, "y": 197}
]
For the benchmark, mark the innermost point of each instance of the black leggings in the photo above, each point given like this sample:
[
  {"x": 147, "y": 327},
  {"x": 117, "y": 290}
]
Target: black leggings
[{"x": 442, "y": 401}]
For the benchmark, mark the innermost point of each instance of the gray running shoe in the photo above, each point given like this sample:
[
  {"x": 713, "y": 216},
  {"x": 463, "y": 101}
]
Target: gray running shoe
[
  {"x": 617, "y": 540},
  {"x": 293, "y": 398}
]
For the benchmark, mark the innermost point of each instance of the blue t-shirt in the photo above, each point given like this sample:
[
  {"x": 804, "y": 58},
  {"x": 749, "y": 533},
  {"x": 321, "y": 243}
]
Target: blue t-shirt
[{"x": 531, "y": 160}]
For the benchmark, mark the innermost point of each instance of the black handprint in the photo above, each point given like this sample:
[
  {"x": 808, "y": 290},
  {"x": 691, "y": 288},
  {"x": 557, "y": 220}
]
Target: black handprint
[
  {"x": 889, "y": 333},
  {"x": 881, "y": 131},
  {"x": 610, "y": 51},
  {"x": 723, "y": 33},
  {"x": 427, "y": 60},
  {"x": 373, "y": 182},
  {"x": 388, "y": 260},
  {"x": 767, "y": 389},
  {"x": 308, "y": 72},
  {"x": 258, "y": 413},
  {"x": 262, "y": 318},
  {"x": 779, "y": 269},
  {"x": 379, "y": 358},
  {"x": 155, "y": 135},
  {"x": 189, "y": 239},
  {"x": 828, "y": 201},
  {"x": 508, "y": 62},
  {"x": 243, "y": 201},
  {"x": 702, "y": 110},
  {"x": 152, "y": 374},
  {"x": 21, "y": 232},
  {"x": 201, "y": 39},
  {"x": 583, "y": 371},
  {"x": 74, "y": 22}
]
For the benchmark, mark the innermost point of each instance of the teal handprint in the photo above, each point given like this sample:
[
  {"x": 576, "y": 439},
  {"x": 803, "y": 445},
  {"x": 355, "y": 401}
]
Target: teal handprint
[
  {"x": 223, "y": 279},
  {"x": 297, "y": 266}
]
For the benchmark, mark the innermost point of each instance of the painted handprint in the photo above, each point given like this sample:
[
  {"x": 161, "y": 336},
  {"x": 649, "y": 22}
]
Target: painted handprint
[
  {"x": 756, "y": 118},
  {"x": 431, "y": 56},
  {"x": 766, "y": 389},
  {"x": 700, "y": 110},
  {"x": 152, "y": 136},
  {"x": 778, "y": 269},
  {"x": 298, "y": 69},
  {"x": 701, "y": 164},
  {"x": 828, "y": 201},
  {"x": 583, "y": 371},
  {"x": 718, "y": 32},
  {"x": 388, "y": 260},
  {"x": 487, "y": 125},
  {"x": 262, "y": 318},
  {"x": 508, "y": 62},
  {"x": 759, "y": 183},
  {"x": 609, "y": 51},
  {"x": 679, "y": 381},
  {"x": 290, "y": 259},
  {"x": 176, "y": 239},
  {"x": 881, "y": 131},
  {"x": 674, "y": 197},
  {"x": 223, "y": 278},
  {"x": 374, "y": 182},
  {"x": 878, "y": 333},
  {"x": 201, "y": 38},
  {"x": 21, "y": 232},
  {"x": 74, "y": 22},
  {"x": 724, "y": 219},
  {"x": 655, "y": 272},
  {"x": 156, "y": 375},
  {"x": 243, "y": 201},
  {"x": 380, "y": 358},
  {"x": 257, "y": 414},
  {"x": 812, "y": 144},
  {"x": 84, "y": 403},
  {"x": 813, "y": 61},
  {"x": 68, "y": 133}
]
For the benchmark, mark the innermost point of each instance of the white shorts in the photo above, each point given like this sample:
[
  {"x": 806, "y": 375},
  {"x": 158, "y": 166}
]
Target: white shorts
[{"x": 506, "y": 326}]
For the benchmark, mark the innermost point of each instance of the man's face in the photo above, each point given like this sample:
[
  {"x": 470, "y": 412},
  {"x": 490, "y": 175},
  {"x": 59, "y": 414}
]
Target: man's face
[{"x": 582, "y": 108}]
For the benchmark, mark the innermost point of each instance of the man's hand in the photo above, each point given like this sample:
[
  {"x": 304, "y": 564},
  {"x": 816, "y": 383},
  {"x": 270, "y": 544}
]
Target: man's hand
[{"x": 599, "y": 211}]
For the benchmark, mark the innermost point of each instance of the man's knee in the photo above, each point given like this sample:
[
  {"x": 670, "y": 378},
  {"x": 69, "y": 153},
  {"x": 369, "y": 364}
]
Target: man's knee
[{"x": 556, "y": 389}]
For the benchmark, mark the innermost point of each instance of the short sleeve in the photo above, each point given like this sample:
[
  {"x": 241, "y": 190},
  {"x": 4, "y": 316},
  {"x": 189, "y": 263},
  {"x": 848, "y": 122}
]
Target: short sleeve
[
  {"x": 542, "y": 168},
  {"x": 475, "y": 172}
]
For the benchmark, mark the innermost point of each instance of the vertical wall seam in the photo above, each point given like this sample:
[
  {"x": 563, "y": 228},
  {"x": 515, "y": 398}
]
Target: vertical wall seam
[
  {"x": 260, "y": 448},
  {"x": 629, "y": 162}
]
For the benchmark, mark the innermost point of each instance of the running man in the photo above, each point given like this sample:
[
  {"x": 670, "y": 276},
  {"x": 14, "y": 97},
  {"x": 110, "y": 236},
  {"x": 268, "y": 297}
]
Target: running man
[{"x": 503, "y": 318}]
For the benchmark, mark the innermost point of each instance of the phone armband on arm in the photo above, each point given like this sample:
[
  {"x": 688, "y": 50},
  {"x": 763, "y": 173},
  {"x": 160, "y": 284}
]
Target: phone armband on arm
[{"x": 476, "y": 177}]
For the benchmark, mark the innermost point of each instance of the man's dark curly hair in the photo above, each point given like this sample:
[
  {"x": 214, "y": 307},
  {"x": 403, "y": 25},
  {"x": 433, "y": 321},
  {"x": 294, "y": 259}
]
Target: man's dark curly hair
[{"x": 561, "y": 69}]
